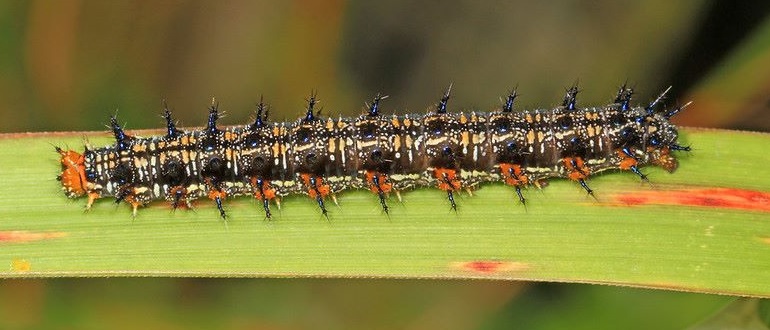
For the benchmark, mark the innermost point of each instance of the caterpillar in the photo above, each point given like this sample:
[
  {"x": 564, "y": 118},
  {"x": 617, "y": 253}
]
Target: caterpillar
[{"x": 321, "y": 156}]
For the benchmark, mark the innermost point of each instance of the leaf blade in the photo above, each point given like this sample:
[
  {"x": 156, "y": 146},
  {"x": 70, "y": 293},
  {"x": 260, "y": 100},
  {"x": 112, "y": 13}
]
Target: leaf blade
[{"x": 562, "y": 235}]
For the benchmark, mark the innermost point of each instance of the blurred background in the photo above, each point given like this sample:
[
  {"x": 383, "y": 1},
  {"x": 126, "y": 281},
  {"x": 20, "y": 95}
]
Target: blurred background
[{"x": 68, "y": 65}]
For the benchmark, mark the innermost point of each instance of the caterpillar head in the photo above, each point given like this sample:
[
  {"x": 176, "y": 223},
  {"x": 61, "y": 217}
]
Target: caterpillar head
[{"x": 661, "y": 138}]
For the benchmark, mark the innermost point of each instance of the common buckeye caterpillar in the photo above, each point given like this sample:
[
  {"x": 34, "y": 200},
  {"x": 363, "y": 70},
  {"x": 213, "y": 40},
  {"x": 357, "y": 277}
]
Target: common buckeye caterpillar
[{"x": 322, "y": 156}]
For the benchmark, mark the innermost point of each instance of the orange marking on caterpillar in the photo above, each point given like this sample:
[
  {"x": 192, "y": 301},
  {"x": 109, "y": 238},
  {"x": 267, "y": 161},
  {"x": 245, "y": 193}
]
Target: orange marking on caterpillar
[
  {"x": 92, "y": 196},
  {"x": 215, "y": 193},
  {"x": 626, "y": 162},
  {"x": 135, "y": 204},
  {"x": 729, "y": 198},
  {"x": 318, "y": 188},
  {"x": 662, "y": 157},
  {"x": 179, "y": 193},
  {"x": 266, "y": 191},
  {"x": 513, "y": 174},
  {"x": 576, "y": 168},
  {"x": 383, "y": 185},
  {"x": 447, "y": 179}
]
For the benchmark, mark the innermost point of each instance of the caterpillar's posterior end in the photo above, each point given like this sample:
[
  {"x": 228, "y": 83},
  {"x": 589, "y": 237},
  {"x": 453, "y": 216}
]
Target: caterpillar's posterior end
[{"x": 73, "y": 174}]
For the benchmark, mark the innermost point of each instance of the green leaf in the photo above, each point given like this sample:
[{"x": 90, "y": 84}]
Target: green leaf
[{"x": 704, "y": 228}]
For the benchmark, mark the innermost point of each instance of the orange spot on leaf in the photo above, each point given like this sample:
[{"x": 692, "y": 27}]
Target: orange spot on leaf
[
  {"x": 20, "y": 265},
  {"x": 489, "y": 267},
  {"x": 21, "y": 236},
  {"x": 729, "y": 198}
]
